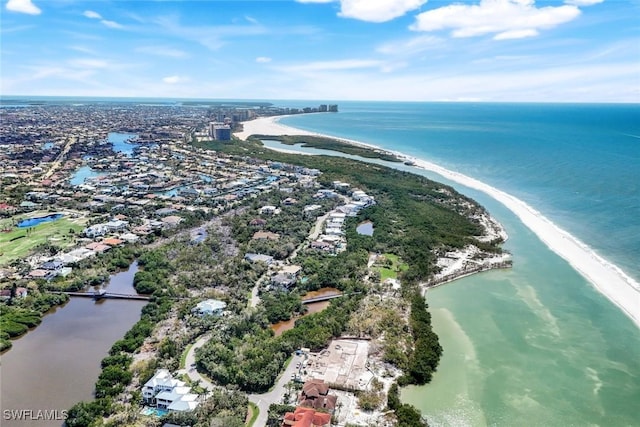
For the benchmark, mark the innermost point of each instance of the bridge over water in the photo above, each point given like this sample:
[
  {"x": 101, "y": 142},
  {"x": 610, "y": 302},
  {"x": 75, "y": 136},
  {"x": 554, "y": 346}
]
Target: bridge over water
[
  {"x": 105, "y": 295},
  {"x": 326, "y": 297}
]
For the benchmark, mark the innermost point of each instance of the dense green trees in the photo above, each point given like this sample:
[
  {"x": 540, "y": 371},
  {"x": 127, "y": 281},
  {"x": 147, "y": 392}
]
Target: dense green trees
[
  {"x": 407, "y": 415},
  {"x": 281, "y": 305},
  {"x": 20, "y": 314},
  {"x": 426, "y": 353}
]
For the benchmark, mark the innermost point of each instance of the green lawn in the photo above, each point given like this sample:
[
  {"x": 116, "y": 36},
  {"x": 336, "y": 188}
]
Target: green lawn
[
  {"x": 254, "y": 411},
  {"x": 19, "y": 242},
  {"x": 391, "y": 272}
]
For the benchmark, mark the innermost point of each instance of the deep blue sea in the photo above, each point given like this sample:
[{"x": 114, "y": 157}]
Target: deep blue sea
[{"x": 535, "y": 345}]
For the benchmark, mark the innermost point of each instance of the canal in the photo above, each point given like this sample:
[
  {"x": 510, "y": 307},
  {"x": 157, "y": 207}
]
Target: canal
[{"x": 57, "y": 364}]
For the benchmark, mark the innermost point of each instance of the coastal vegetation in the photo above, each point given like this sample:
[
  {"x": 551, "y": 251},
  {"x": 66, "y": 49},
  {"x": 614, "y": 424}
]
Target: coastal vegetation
[
  {"x": 332, "y": 144},
  {"x": 21, "y": 313}
]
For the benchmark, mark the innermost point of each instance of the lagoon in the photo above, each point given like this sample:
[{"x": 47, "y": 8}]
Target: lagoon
[
  {"x": 120, "y": 144},
  {"x": 56, "y": 365}
]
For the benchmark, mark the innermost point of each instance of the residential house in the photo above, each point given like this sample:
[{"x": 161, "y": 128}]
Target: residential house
[
  {"x": 210, "y": 306},
  {"x": 315, "y": 394},
  {"x": 165, "y": 392},
  {"x": 283, "y": 281},
  {"x": 251, "y": 257},
  {"x": 269, "y": 209},
  {"x": 306, "y": 417},
  {"x": 258, "y": 222}
]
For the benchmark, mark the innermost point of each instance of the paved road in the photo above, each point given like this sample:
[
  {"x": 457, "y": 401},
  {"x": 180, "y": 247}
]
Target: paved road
[
  {"x": 263, "y": 401},
  {"x": 190, "y": 364}
]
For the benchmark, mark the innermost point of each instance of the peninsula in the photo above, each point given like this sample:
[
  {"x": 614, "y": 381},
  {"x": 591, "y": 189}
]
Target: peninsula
[{"x": 320, "y": 262}]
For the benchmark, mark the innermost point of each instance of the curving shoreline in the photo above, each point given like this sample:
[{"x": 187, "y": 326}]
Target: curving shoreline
[{"x": 607, "y": 278}]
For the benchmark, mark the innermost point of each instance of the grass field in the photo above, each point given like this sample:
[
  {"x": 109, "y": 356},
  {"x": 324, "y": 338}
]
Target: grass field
[
  {"x": 19, "y": 242},
  {"x": 391, "y": 271}
]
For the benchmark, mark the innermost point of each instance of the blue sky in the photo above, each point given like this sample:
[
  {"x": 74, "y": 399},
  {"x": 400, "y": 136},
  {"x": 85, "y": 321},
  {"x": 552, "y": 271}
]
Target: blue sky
[{"x": 414, "y": 50}]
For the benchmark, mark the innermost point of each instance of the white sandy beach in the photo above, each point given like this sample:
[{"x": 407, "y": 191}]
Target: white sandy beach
[{"x": 617, "y": 286}]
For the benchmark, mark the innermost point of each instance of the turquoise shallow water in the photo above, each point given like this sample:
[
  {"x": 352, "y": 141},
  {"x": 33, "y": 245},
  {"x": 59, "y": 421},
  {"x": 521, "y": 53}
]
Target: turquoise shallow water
[{"x": 535, "y": 345}]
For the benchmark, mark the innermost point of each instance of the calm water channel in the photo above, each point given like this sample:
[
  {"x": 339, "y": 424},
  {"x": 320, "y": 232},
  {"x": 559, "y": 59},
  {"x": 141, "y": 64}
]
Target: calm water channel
[
  {"x": 313, "y": 307},
  {"x": 57, "y": 364}
]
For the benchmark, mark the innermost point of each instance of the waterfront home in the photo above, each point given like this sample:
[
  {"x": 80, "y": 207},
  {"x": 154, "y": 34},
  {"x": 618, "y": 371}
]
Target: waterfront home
[
  {"x": 282, "y": 282},
  {"x": 210, "y": 306},
  {"x": 165, "y": 392},
  {"x": 42, "y": 274},
  {"x": 20, "y": 293}
]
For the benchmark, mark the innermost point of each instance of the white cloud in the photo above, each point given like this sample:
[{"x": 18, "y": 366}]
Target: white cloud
[
  {"x": 111, "y": 24},
  {"x": 92, "y": 15},
  {"x": 377, "y": 10},
  {"x": 507, "y": 19},
  {"x": 372, "y": 10},
  {"x": 411, "y": 46},
  {"x": 88, "y": 63},
  {"x": 23, "y": 6},
  {"x": 344, "y": 64},
  {"x": 515, "y": 34},
  {"x": 163, "y": 51},
  {"x": 583, "y": 2},
  {"x": 263, "y": 59},
  {"x": 252, "y": 20},
  {"x": 95, "y": 15},
  {"x": 171, "y": 80}
]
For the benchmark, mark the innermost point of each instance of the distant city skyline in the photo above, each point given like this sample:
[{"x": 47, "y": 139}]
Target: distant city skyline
[{"x": 393, "y": 50}]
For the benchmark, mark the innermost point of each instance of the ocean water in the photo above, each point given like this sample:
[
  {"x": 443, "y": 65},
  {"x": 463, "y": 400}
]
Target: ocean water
[{"x": 536, "y": 345}]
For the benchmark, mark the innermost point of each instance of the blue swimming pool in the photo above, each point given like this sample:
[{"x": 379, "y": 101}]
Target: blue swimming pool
[
  {"x": 154, "y": 411},
  {"x": 39, "y": 220}
]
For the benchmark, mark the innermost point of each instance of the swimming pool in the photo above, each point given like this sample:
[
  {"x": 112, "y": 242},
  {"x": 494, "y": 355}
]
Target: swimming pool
[
  {"x": 39, "y": 220},
  {"x": 154, "y": 411}
]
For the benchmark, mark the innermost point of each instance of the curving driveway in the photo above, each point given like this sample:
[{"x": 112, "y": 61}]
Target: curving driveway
[{"x": 262, "y": 401}]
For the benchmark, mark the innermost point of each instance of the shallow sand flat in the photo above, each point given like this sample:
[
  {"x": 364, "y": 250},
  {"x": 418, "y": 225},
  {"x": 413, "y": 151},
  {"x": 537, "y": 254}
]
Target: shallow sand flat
[{"x": 617, "y": 286}]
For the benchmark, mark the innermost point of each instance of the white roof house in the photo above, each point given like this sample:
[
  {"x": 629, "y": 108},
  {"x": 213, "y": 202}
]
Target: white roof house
[
  {"x": 166, "y": 392},
  {"x": 210, "y": 306}
]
